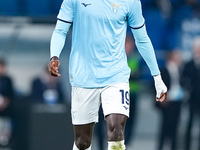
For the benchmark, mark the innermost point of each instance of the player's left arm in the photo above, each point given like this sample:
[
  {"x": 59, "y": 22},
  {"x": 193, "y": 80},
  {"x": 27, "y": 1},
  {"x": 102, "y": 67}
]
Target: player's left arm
[{"x": 145, "y": 48}]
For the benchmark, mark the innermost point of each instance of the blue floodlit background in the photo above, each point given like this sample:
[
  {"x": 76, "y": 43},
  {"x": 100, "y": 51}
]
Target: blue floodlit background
[{"x": 26, "y": 27}]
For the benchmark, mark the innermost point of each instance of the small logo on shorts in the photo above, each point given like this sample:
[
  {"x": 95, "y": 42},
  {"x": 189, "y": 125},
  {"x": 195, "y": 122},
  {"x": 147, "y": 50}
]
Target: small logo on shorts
[{"x": 125, "y": 107}]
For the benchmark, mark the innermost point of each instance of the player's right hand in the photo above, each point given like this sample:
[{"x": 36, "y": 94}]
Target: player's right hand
[{"x": 53, "y": 66}]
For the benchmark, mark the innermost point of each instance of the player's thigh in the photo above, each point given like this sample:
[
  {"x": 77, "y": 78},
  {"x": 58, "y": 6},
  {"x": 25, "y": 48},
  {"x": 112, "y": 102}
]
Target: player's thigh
[
  {"x": 115, "y": 99},
  {"x": 84, "y": 105}
]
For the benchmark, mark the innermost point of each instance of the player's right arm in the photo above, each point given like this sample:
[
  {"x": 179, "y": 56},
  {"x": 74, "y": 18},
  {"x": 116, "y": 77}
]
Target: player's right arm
[
  {"x": 57, "y": 44},
  {"x": 65, "y": 19}
]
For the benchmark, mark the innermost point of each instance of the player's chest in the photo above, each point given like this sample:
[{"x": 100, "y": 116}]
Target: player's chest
[{"x": 111, "y": 9}]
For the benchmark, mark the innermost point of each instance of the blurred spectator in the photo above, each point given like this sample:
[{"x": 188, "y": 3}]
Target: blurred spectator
[
  {"x": 188, "y": 20},
  {"x": 46, "y": 89},
  {"x": 178, "y": 20},
  {"x": 6, "y": 100},
  {"x": 134, "y": 63},
  {"x": 170, "y": 109},
  {"x": 191, "y": 82},
  {"x": 195, "y": 4}
]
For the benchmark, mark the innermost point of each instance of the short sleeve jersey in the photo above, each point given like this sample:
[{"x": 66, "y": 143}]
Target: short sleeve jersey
[{"x": 98, "y": 56}]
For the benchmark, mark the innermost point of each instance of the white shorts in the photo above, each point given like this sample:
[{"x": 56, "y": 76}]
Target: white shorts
[{"x": 86, "y": 102}]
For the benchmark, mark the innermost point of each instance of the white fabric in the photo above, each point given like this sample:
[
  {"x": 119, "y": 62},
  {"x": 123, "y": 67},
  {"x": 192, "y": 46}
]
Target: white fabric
[
  {"x": 115, "y": 99},
  {"x": 116, "y": 145},
  {"x": 86, "y": 102},
  {"x": 76, "y": 148},
  {"x": 159, "y": 85}
]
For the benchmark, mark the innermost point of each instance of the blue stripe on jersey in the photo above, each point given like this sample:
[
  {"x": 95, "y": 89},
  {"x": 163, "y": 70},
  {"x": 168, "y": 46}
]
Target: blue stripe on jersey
[
  {"x": 64, "y": 21},
  {"x": 137, "y": 27}
]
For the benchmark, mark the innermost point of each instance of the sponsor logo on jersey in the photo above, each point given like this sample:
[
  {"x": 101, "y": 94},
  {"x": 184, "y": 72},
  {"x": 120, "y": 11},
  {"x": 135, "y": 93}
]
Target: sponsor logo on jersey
[
  {"x": 84, "y": 4},
  {"x": 115, "y": 7}
]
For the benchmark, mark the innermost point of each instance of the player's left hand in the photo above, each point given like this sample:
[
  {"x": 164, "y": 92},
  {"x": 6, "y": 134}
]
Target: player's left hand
[{"x": 161, "y": 89}]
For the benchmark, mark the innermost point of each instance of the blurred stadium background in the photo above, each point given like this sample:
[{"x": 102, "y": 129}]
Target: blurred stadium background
[{"x": 26, "y": 27}]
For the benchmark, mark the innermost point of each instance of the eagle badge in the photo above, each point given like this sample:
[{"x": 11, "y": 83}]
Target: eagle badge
[{"x": 115, "y": 7}]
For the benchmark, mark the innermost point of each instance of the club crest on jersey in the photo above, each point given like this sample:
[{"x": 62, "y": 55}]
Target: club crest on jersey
[{"x": 115, "y": 7}]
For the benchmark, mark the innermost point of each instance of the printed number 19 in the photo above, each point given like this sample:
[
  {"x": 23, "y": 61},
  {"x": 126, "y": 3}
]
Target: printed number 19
[{"x": 125, "y": 95}]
